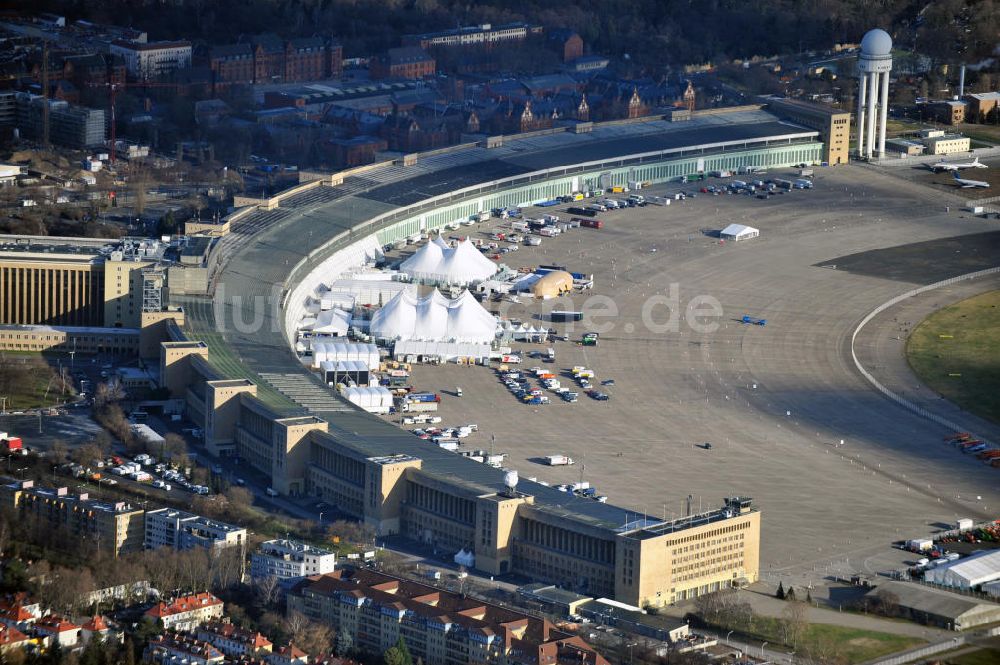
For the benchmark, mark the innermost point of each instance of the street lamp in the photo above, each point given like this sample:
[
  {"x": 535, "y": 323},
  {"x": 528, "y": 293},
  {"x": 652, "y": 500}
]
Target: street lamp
[
  {"x": 727, "y": 636},
  {"x": 762, "y": 650},
  {"x": 321, "y": 517}
]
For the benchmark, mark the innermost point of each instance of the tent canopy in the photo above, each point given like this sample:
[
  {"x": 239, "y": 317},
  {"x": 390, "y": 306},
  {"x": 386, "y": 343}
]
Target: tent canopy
[
  {"x": 332, "y": 322},
  {"x": 340, "y": 351},
  {"x": 434, "y": 318},
  {"x": 437, "y": 262},
  {"x": 739, "y": 232}
]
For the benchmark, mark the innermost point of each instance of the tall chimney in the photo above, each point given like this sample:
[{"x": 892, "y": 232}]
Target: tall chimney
[{"x": 961, "y": 82}]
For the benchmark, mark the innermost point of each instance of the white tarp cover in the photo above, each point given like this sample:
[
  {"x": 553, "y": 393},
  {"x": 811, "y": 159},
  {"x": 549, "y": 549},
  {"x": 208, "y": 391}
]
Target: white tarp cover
[
  {"x": 967, "y": 573},
  {"x": 339, "y": 351},
  {"x": 444, "y": 350},
  {"x": 434, "y": 318},
  {"x": 374, "y": 399},
  {"x": 344, "y": 366},
  {"x": 364, "y": 291},
  {"x": 436, "y": 262},
  {"x": 332, "y": 322},
  {"x": 739, "y": 232}
]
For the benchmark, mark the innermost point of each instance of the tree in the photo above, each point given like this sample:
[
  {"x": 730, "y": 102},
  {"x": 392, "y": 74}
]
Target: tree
[
  {"x": 780, "y": 594},
  {"x": 398, "y": 655},
  {"x": 790, "y": 594},
  {"x": 795, "y": 621},
  {"x": 57, "y": 452},
  {"x": 888, "y": 602},
  {"x": 344, "y": 645}
]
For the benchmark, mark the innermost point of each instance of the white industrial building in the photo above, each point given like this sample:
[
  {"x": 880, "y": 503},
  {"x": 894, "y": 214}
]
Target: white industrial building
[
  {"x": 737, "y": 232},
  {"x": 373, "y": 399},
  {"x": 289, "y": 559},
  {"x": 434, "y": 318},
  {"x": 437, "y": 262},
  {"x": 343, "y": 351},
  {"x": 967, "y": 573}
]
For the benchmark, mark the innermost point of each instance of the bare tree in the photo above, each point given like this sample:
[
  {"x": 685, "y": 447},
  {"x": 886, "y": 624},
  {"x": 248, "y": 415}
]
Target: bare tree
[
  {"x": 795, "y": 620},
  {"x": 266, "y": 590}
]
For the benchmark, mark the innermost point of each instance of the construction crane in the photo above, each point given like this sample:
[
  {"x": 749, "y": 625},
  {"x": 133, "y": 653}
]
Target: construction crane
[{"x": 113, "y": 90}]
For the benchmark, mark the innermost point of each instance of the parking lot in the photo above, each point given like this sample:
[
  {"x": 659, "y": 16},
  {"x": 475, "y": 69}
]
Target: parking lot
[{"x": 775, "y": 402}]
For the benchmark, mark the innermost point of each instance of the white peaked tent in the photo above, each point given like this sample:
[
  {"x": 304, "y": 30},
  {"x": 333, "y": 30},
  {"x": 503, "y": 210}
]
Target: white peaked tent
[
  {"x": 441, "y": 242},
  {"x": 332, "y": 322},
  {"x": 425, "y": 261},
  {"x": 434, "y": 318},
  {"x": 437, "y": 262},
  {"x": 737, "y": 232}
]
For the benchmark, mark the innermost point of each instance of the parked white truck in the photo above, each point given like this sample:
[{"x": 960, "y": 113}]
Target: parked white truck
[{"x": 558, "y": 460}]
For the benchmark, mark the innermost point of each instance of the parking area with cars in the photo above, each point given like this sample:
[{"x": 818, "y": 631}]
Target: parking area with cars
[{"x": 703, "y": 402}]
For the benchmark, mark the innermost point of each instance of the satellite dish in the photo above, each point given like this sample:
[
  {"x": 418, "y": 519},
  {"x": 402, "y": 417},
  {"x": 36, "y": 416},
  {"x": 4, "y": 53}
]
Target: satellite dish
[{"x": 510, "y": 479}]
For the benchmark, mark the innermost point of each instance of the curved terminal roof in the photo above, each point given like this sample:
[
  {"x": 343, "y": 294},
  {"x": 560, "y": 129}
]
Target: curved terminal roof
[{"x": 259, "y": 259}]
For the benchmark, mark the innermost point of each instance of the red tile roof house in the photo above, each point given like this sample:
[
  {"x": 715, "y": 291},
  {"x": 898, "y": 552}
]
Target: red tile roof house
[
  {"x": 19, "y": 611},
  {"x": 288, "y": 655},
  {"x": 97, "y": 626},
  {"x": 187, "y": 612},
  {"x": 56, "y": 629},
  {"x": 233, "y": 640},
  {"x": 11, "y": 638}
]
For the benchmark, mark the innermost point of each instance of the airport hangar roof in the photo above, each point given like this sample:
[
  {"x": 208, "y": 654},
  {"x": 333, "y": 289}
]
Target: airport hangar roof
[{"x": 305, "y": 222}]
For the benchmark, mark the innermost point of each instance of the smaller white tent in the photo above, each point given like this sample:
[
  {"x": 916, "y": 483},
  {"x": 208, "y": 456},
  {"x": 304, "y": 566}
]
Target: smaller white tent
[
  {"x": 737, "y": 232},
  {"x": 446, "y": 351},
  {"x": 334, "y": 322},
  {"x": 341, "y": 351},
  {"x": 373, "y": 399}
]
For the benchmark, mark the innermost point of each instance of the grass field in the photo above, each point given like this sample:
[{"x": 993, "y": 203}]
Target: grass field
[
  {"x": 956, "y": 351},
  {"x": 28, "y": 381},
  {"x": 983, "y": 657},
  {"x": 854, "y": 645}
]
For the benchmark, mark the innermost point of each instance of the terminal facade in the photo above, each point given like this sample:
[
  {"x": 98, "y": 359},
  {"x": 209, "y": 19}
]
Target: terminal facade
[{"x": 386, "y": 477}]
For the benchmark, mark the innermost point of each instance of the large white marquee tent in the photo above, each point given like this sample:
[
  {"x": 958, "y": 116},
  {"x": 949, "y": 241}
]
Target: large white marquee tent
[
  {"x": 437, "y": 262},
  {"x": 434, "y": 318}
]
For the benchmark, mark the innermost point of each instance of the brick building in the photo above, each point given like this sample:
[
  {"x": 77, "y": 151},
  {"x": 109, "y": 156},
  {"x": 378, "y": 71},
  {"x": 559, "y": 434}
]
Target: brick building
[
  {"x": 407, "y": 62},
  {"x": 266, "y": 58},
  {"x": 231, "y": 64},
  {"x": 567, "y": 43}
]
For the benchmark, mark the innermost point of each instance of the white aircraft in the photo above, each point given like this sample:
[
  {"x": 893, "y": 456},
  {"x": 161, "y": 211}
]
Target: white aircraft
[
  {"x": 970, "y": 183},
  {"x": 956, "y": 166}
]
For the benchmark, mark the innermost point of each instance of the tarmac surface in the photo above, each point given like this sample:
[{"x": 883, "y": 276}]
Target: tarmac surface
[{"x": 774, "y": 401}]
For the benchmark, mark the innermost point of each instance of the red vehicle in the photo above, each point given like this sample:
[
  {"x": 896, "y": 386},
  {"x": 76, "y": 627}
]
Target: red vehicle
[
  {"x": 12, "y": 444},
  {"x": 592, "y": 223}
]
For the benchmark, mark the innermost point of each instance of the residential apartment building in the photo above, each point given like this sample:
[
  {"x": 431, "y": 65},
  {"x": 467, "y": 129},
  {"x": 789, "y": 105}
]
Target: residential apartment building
[
  {"x": 833, "y": 125},
  {"x": 181, "y": 649},
  {"x": 55, "y": 629},
  {"x": 232, "y": 640},
  {"x": 152, "y": 60},
  {"x": 408, "y": 62},
  {"x": 187, "y": 612},
  {"x": 71, "y": 126},
  {"x": 114, "y": 528},
  {"x": 480, "y": 35},
  {"x": 438, "y": 627},
  {"x": 176, "y": 529},
  {"x": 266, "y": 58},
  {"x": 289, "y": 559}
]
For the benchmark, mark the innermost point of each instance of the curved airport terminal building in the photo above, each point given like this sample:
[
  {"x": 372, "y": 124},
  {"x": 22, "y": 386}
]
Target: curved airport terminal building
[{"x": 233, "y": 359}]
